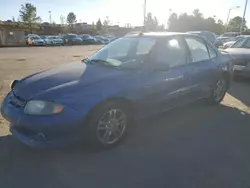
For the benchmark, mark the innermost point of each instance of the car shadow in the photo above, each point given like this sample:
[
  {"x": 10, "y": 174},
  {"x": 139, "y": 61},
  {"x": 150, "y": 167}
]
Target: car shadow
[
  {"x": 165, "y": 145},
  {"x": 241, "y": 91}
]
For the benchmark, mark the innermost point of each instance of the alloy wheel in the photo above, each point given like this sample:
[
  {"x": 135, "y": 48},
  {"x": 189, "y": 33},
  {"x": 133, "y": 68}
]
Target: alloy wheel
[{"x": 111, "y": 126}]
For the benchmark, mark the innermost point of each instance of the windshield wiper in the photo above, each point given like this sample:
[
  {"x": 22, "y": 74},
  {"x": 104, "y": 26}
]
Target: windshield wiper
[
  {"x": 85, "y": 60},
  {"x": 101, "y": 61}
]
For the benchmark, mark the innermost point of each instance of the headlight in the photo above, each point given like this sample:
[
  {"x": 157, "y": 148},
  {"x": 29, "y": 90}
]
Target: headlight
[{"x": 36, "y": 107}]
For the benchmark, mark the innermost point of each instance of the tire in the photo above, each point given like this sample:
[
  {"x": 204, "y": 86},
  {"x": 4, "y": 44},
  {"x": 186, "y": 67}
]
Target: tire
[
  {"x": 219, "y": 90},
  {"x": 107, "y": 125}
]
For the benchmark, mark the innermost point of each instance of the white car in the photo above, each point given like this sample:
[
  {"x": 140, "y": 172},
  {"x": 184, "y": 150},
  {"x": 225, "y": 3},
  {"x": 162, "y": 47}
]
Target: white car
[
  {"x": 53, "y": 40},
  {"x": 56, "y": 40},
  {"x": 35, "y": 41},
  {"x": 232, "y": 41}
]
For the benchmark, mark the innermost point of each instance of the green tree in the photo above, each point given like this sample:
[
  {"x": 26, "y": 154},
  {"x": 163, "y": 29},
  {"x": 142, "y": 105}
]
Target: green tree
[
  {"x": 71, "y": 18},
  {"x": 197, "y": 14},
  {"x": 151, "y": 23},
  {"x": 172, "y": 22},
  {"x": 28, "y": 15},
  {"x": 195, "y": 21},
  {"x": 235, "y": 24},
  {"x": 99, "y": 25},
  {"x": 106, "y": 22}
]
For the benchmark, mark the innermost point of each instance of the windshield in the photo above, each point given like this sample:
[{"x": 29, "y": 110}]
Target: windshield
[
  {"x": 35, "y": 37},
  {"x": 242, "y": 43},
  {"x": 125, "y": 50},
  {"x": 71, "y": 36},
  {"x": 85, "y": 36}
]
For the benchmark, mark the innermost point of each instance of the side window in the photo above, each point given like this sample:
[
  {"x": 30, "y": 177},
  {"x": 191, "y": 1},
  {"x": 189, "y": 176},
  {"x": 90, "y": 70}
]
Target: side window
[
  {"x": 198, "y": 50},
  {"x": 121, "y": 49},
  {"x": 247, "y": 44},
  {"x": 212, "y": 52},
  {"x": 145, "y": 45},
  {"x": 171, "y": 52}
]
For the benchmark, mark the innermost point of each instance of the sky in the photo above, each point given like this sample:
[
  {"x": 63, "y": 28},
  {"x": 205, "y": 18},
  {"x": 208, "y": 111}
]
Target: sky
[{"x": 123, "y": 11}]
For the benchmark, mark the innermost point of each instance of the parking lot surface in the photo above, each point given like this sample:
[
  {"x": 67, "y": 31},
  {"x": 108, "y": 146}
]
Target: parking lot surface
[{"x": 193, "y": 146}]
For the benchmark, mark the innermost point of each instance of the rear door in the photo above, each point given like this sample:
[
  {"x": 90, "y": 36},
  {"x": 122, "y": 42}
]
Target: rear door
[{"x": 202, "y": 66}]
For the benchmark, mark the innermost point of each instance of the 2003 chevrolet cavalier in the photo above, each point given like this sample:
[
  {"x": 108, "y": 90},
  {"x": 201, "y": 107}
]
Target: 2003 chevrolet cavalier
[{"x": 97, "y": 99}]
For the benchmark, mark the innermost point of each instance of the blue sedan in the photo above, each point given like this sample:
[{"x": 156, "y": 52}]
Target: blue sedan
[{"x": 97, "y": 100}]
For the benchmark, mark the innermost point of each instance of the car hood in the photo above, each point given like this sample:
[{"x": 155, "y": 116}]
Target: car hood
[
  {"x": 239, "y": 53},
  {"x": 229, "y": 42},
  {"x": 72, "y": 75}
]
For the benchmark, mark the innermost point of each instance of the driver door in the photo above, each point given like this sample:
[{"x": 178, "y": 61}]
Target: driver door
[{"x": 168, "y": 87}]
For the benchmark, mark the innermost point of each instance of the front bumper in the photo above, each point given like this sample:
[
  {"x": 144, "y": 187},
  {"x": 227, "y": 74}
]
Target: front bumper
[
  {"x": 242, "y": 71},
  {"x": 43, "y": 131},
  {"x": 39, "y": 43}
]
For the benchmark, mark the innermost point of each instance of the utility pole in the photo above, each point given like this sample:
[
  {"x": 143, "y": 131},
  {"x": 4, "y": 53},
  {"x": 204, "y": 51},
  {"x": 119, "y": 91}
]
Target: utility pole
[
  {"x": 62, "y": 19},
  {"x": 50, "y": 19},
  {"x": 228, "y": 15},
  {"x": 243, "y": 17},
  {"x": 144, "y": 13}
]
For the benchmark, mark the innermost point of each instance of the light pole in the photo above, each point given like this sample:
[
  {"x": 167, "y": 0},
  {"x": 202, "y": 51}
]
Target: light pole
[
  {"x": 243, "y": 17},
  {"x": 228, "y": 15},
  {"x": 144, "y": 13},
  {"x": 50, "y": 19}
]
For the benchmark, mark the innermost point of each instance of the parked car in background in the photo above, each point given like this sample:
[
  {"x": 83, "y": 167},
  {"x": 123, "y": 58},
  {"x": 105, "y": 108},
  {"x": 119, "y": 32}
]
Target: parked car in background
[
  {"x": 56, "y": 40},
  {"x": 226, "y": 37},
  {"x": 230, "y": 34},
  {"x": 240, "y": 52},
  {"x": 96, "y": 100},
  {"x": 31, "y": 35},
  {"x": 133, "y": 33},
  {"x": 210, "y": 36},
  {"x": 113, "y": 39},
  {"x": 35, "y": 41},
  {"x": 232, "y": 41},
  {"x": 87, "y": 39},
  {"x": 220, "y": 41},
  {"x": 102, "y": 39},
  {"x": 110, "y": 37},
  {"x": 47, "y": 40},
  {"x": 72, "y": 39}
]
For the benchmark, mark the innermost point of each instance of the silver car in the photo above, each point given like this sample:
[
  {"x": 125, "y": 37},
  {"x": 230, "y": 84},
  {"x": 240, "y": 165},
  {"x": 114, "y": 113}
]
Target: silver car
[
  {"x": 53, "y": 40},
  {"x": 56, "y": 40}
]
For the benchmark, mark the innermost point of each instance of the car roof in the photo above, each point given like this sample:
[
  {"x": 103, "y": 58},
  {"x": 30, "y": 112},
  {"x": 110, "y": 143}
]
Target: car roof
[
  {"x": 199, "y": 32},
  {"x": 159, "y": 34}
]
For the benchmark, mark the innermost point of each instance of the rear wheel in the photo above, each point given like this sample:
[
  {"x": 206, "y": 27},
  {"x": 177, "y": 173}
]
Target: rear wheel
[{"x": 107, "y": 125}]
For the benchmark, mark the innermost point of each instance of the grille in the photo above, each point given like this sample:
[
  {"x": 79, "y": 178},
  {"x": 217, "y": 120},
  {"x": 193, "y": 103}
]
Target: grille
[{"x": 16, "y": 100}]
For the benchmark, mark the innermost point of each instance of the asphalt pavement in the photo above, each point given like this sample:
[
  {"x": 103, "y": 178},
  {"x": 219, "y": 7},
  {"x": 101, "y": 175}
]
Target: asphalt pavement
[{"x": 194, "y": 146}]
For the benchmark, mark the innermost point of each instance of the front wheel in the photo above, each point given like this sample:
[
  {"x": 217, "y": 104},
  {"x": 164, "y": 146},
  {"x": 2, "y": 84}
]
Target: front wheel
[
  {"x": 219, "y": 91},
  {"x": 107, "y": 125}
]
